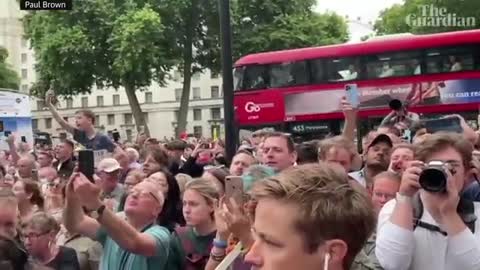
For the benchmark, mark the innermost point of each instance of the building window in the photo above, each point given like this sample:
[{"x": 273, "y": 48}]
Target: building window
[
  {"x": 196, "y": 76},
  {"x": 48, "y": 123},
  {"x": 148, "y": 97},
  {"x": 24, "y": 87},
  {"x": 178, "y": 94},
  {"x": 40, "y": 104},
  {"x": 145, "y": 117},
  {"x": 176, "y": 114},
  {"x": 84, "y": 102},
  {"x": 24, "y": 73},
  {"x": 128, "y": 118},
  {"x": 196, "y": 93},
  {"x": 198, "y": 131},
  {"x": 69, "y": 103},
  {"x": 100, "y": 101},
  {"x": 197, "y": 114},
  {"x": 214, "y": 75},
  {"x": 116, "y": 100},
  {"x": 97, "y": 120},
  {"x": 24, "y": 43},
  {"x": 111, "y": 119},
  {"x": 34, "y": 124},
  {"x": 215, "y": 90},
  {"x": 215, "y": 113},
  {"x": 24, "y": 58},
  {"x": 129, "y": 134}
]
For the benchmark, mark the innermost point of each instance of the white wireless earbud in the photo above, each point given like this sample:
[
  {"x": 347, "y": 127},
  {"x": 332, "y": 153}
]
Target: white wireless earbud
[{"x": 326, "y": 261}]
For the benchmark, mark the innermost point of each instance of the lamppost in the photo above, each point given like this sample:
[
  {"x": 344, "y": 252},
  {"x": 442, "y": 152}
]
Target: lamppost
[{"x": 227, "y": 76}]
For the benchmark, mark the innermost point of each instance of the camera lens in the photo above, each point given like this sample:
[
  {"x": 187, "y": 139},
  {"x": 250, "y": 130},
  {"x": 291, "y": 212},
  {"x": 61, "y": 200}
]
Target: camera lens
[
  {"x": 433, "y": 180},
  {"x": 395, "y": 104}
]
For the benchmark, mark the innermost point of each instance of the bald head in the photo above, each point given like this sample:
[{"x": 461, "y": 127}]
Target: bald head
[
  {"x": 25, "y": 166},
  {"x": 132, "y": 154}
]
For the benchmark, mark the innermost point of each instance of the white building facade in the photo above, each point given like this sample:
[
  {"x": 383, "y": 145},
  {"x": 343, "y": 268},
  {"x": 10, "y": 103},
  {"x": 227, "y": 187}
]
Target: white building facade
[{"x": 159, "y": 104}]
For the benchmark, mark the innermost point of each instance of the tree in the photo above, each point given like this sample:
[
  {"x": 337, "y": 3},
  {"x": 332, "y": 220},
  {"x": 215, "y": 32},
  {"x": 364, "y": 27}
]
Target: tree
[
  {"x": 403, "y": 18},
  {"x": 101, "y": 43},
  {"x": 8, "y": 77},
  {"x": 291, "y": 31},
  {"x": 258, "y": 25}
]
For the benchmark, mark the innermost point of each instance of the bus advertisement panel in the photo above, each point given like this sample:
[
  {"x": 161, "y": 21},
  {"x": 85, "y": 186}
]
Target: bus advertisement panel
[{"x": 15, "y": 117}]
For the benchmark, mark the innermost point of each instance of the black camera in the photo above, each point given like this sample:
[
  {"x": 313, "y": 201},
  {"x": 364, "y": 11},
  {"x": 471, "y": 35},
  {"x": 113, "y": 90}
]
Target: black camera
[
  {"x": 395, "y": 105},
  {"x": 434, "y": 177}
]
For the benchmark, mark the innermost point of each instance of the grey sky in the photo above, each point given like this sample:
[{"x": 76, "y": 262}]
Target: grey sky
[{"x": 368, "y": 11}]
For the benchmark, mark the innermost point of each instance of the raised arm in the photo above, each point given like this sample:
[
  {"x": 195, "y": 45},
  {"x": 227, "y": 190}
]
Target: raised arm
[
  {"x": 117, "y": 228},
  {"x": 64, "y": 124},
  {"x": 350, "y": 115}
]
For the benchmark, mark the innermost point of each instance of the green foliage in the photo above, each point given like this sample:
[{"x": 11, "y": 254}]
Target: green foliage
[
  {"x": 292, "y": 31},
  {"x": 8, "y": 77},
  {"x": 394, "y": 19}
]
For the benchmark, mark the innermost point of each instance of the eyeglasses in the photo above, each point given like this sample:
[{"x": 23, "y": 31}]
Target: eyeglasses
[{"x": 142, "y": 193}]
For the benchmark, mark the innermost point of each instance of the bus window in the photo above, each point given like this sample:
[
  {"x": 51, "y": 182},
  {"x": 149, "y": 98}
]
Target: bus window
[
  {"x": 254, "y": 77},
  {"x": 394, "y": 64},
  {"x": 288, "y": 74},
  {"x": 342, "y": 69},
  {"x": 317, "y": 70},
  {"x": 238, "y": 78},
  {"x": 452, "y": 59}
]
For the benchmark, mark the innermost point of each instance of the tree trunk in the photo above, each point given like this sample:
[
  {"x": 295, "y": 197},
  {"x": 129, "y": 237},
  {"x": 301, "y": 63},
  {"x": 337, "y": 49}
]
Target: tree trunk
[
  {"x": 190, "y": 25},
  {"x": 136, "y": 109}
]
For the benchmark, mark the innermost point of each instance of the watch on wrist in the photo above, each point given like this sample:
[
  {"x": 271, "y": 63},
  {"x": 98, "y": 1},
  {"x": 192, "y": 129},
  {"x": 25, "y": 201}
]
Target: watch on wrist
[
  {"x": 96, "y": 214},
  {"x": 403, "y": 198}
]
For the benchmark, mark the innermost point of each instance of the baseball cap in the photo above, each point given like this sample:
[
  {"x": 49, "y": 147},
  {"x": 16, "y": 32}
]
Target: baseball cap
[
  {"x": 379, "y": 139},
  {"x": 108, "y": 165}
]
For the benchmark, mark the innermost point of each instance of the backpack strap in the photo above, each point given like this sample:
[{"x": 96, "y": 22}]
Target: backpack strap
[{"x": 465, "y": 209}]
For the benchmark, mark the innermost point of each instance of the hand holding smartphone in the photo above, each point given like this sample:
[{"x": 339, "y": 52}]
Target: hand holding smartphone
[
  {"x": 234, "y": 189},
  {"x": 86, "y": 163},
  {"x": 352, "y": 95}
]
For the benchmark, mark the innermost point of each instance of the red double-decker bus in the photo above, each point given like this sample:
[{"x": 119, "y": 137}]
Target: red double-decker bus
[{"x": 299, "y": 91}]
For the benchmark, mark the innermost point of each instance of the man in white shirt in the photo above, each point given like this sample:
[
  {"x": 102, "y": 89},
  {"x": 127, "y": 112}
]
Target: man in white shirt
[{"x": 441, "y": 237}]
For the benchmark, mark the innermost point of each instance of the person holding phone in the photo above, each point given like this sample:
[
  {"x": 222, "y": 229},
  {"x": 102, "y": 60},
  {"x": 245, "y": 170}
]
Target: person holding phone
[{"x": 131, "y": 241}]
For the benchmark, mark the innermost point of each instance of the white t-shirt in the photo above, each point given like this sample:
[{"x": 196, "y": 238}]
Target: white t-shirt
[{"x": 401, "y": 249}]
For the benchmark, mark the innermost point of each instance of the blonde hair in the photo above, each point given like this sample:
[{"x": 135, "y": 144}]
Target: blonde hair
[
  {"x": 182, "y": 180},
  {"x": 205, "y": 188},
  {"x": 42, "y": 222},
  {"x": 137, "y": 174},
  {"x": 336, "y": 142},
  {"x": 328, "y": 206}
]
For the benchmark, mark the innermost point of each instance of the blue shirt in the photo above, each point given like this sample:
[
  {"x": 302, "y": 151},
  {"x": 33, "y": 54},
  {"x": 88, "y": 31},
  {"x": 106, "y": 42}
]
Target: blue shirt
[
  {"x": 98, "y": 142},
  {"x": 116, "y": 258}
]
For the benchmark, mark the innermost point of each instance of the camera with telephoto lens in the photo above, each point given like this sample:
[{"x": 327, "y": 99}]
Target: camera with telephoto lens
[{"x": 434, "y": 177}]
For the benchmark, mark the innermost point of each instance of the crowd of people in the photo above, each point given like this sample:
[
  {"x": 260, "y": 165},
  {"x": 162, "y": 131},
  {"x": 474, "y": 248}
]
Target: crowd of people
[{"x": 400, "y": 203}]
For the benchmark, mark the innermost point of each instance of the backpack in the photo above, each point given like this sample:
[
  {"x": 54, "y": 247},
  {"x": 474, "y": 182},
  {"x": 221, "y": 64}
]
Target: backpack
[
  {"x": 465, "y": 209},
  {"x": 194, "y": 259}
]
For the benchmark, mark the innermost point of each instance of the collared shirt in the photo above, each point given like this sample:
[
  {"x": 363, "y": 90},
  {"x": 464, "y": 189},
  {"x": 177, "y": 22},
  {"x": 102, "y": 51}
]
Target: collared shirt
[{"x": 359, "y": 176}]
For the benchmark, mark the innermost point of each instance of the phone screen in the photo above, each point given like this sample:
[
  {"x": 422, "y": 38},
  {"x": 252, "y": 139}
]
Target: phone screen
[
  {"x": 24, "y": 139},
  {"x": 450, "y": 124},
  {"x": 86, "y": 163},
  {"x": 352, "y": 95},
  {"x": 234, "y": 189}
]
